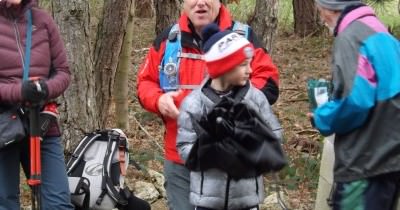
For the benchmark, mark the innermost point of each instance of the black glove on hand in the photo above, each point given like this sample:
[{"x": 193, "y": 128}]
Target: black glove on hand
[{"x": 34, "y": 92}]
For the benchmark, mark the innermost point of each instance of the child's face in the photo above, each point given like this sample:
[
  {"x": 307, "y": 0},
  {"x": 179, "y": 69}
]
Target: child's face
[{"x": 240, "y": 74}]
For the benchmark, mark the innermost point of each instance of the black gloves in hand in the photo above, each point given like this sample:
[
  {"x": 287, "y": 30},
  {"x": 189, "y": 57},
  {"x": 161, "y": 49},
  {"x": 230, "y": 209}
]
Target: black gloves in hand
[
  {"x": 34, "y": 92},
  {"x": 220, "y": 119}
]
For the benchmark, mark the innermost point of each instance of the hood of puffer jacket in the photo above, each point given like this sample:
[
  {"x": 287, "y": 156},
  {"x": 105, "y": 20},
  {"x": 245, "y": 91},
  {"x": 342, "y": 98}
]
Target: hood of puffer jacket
[{"x": 16, "y": 12}]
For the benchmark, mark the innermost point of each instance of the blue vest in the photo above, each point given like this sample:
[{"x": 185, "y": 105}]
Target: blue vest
[{"x": 169, "y": 68}]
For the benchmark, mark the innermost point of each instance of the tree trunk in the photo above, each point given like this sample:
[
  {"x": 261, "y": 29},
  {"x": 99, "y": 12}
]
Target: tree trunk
[
  {"x": 306, "y": 19},
  {"x": 265, "y": 22},
  {"x": 78, "y": 109},
  {"x": 124, "y": 65},
  {"x": 92, "y": 63},
  {"x": 107, "y": 50},
  {"x": 167, "y": 13},
  {"x": 144, "y": 8}
]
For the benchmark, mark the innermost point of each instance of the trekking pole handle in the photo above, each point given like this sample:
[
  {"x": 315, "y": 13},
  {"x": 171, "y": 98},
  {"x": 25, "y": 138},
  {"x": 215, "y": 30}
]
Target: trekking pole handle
[{"x": 34, "y": 110}]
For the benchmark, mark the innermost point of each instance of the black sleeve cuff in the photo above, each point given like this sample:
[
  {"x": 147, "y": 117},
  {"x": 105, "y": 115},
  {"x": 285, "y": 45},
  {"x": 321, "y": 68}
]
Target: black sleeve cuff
[{"x": 271, "y": 91}]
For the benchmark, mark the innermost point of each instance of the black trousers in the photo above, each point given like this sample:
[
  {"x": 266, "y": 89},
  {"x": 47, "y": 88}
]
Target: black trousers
[{"x": 374, "y": 193}]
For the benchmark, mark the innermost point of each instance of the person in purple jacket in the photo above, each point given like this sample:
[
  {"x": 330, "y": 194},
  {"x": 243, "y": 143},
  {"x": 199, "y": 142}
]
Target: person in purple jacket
[{"x": 47, "y": 52}]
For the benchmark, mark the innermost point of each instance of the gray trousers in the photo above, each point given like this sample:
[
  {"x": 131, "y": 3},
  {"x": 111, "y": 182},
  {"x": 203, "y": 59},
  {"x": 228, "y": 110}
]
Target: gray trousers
[{"x": 177, "y": 185}]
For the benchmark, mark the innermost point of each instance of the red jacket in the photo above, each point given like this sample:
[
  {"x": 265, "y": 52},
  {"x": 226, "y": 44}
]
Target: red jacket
[
  {"x": 47, "y": 53},
  {"x": 265, "y": 75}
]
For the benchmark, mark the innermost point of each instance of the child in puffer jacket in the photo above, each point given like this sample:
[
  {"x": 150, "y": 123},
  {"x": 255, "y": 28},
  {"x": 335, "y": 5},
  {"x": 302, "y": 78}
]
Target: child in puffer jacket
[{"x": 228, "y": 56}]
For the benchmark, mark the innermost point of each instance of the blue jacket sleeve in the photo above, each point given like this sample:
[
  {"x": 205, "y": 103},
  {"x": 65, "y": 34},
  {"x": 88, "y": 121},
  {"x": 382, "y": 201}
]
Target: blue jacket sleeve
[
  {"x": 354, "y": 94},
  {"x": 343, "y": 115}
]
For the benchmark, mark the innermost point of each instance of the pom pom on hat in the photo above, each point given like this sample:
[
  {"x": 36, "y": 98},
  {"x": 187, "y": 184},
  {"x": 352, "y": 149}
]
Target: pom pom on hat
[
  {"x": 209, "y": 31},
  {"x": 224, "y": 50},
  {"x": 211, "y": 34}
]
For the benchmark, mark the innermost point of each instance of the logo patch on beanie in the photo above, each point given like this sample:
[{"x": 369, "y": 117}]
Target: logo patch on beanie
[
  {"x": 227, "y": 41},
  {"x": 249, "y": 52}
]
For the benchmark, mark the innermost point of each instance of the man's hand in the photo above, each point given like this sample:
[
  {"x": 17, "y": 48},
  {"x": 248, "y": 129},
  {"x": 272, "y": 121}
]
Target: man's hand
[
  {"x": 311, "y": 118},
  {"x": 166, "y": 104}
]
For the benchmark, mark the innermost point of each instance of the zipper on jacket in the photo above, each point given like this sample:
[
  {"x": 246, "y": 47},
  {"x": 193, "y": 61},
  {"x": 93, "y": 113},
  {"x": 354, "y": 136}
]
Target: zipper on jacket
[
  {"x": 201, "y": 183},
  {"x": 228, "y": 183},
  {"x": 18, "y": 40}
]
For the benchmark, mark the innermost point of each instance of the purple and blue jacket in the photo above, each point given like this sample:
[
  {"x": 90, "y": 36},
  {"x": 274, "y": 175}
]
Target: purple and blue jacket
[{"x": 365, "y": 110}]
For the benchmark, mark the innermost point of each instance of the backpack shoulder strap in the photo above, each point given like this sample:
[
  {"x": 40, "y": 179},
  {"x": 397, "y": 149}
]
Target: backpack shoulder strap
[
  {"x": 169, "y": 68},
  {"x": 80, "y": 150},
  {"x": 241, "y": 28},
  {"x": 107, "y": 183},
  {"x": 27, "y": 60},
  {"x": 123, "y": 151},
  {"x": 81, "y": 186},
  {"x": 170, "y": 61},
  {"x": 123, "y": 154}
]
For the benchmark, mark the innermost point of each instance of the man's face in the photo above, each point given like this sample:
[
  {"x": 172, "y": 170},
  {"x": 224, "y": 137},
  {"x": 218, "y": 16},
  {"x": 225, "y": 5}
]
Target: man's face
[
  {"x": 329, "y": 17},
  {"x": 201, "y": 12}
]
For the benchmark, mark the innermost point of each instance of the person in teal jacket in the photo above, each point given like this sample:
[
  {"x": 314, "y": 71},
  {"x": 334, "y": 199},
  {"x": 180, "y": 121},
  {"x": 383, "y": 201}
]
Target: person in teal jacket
[{"x": 364, "y": 113}]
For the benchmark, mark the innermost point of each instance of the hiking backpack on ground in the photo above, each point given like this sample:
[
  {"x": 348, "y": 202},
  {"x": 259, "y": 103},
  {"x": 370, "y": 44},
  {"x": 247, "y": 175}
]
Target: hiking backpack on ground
[{"x": 96, "y": 171}]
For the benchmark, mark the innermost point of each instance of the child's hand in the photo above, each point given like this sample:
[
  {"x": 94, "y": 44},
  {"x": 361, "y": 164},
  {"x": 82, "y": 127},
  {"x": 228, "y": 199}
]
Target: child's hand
[{"x": 311, "y": 118}]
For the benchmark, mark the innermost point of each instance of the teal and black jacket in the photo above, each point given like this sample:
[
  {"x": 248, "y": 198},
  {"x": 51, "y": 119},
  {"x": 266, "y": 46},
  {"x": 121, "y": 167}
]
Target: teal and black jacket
[{"x": 365, "y": 110}]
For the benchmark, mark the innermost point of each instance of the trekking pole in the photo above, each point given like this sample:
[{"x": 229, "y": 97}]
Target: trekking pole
[
  {"x": 35, "y": 160},
  {"x": 278, "y": 192}
]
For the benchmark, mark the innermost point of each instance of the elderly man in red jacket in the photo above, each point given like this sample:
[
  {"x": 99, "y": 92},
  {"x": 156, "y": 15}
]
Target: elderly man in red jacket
[{"x": 188, "y": 71}]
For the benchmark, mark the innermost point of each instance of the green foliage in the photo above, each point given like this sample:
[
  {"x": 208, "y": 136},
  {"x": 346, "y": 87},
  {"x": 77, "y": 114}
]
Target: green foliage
[
  {"x": 46, "y": 4},
  {"x": 388, "y": 12},
  {"x": 386, "y": 9},
  {"x": 25, "y": 187},
  {"x": 243, "y": 10},
  {"x": 286, "y": 17},
  {"x": 302, "y": 169},
  {"x": 378, "y": 2}
]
